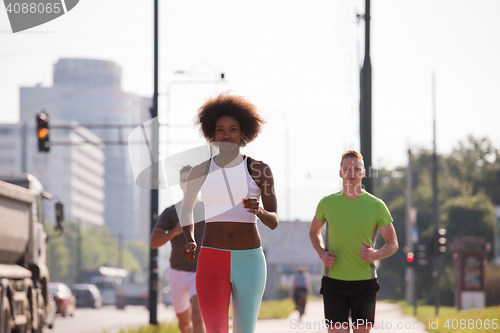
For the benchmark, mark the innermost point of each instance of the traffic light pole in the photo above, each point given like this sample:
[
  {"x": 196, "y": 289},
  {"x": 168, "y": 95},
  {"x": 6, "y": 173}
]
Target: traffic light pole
[
  {"x": 24, "y": 135},
  {"x": 153, "y": 254},
  {"x": 435, "y": 205},
  {"x": 410, "y": 270}
]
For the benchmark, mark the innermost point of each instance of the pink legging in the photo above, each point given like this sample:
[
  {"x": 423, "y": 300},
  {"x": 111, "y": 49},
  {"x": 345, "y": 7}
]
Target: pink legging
[{"x": 222, "y": 274}]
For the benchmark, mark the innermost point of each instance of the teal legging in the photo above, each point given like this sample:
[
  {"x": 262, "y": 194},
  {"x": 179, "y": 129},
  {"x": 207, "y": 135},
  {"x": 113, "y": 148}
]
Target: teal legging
[{"x": 221, "y": 274}]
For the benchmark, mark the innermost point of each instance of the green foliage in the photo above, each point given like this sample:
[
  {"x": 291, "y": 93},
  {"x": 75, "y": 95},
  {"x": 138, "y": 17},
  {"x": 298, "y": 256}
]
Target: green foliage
[
  {"x": 166, "y": 327},
  {"x": 424, "y": 312},
  {"x": 491, "y": 284},
  {"x": 449, "y": 316},
  {"x": 462, "y": 210},
  {"x": 462, "y": 213},
  {"x": 468, "y": 189},
  {"x": 98, "y": 248},
  {"x": 58, "y": 255},
  {"x": 276, "y": 309},
  {"x": 140, "y": 250}
]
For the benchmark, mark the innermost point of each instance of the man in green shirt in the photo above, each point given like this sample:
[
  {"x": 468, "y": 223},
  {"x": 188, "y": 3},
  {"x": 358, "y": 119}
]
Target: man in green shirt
[{"x": 353, "y": 218}]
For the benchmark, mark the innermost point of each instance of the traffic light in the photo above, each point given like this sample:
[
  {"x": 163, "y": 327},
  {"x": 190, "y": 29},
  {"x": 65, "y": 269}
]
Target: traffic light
[
  {"x": 410, "y": 259},
  {"x": 42, "y": 131},
  {"x": 441, "y": 241},
  {"x": 59, "y": 217},
  {"x": 422, "y": 255},
  {"x": 437, "y": 244}
]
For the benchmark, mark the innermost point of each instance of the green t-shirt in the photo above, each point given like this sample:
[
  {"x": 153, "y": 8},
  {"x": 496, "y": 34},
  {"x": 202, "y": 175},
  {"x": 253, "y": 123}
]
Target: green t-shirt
[{"x": 349, "y": 222}]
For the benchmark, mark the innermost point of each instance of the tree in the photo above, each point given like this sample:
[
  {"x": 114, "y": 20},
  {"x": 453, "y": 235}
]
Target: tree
[
  {"x": 58, "y": 255},
  {"x": 469, "y": 216},
  {"x": 469, "y": 186},
  {"x": 140, "y": 250},
  {"x": 98, "y": 248}
]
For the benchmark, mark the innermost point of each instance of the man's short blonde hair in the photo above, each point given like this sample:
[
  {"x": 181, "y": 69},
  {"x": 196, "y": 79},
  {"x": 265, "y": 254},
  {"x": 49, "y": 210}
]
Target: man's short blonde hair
[{"x": 351, "y": 153}]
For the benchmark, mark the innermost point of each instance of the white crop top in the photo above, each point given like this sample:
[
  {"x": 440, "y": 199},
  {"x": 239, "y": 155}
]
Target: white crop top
[{"x": 222, "y": 191}]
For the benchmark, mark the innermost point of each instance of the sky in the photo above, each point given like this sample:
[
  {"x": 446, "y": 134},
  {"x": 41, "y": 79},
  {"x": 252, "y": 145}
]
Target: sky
[{"x": 298, "y": 62}]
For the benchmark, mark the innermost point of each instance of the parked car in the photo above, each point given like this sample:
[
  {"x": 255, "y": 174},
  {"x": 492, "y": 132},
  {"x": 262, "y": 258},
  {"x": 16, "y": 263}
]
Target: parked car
[
  {"x": 166, "y": 296},
  {"x": 65, "y": 301},
  {"x": 87, "y": 295},
  {"x": 51, "y": 312}
]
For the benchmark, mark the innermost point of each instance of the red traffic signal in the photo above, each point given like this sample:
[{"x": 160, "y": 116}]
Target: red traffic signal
[{"x": 410, "y": 257}]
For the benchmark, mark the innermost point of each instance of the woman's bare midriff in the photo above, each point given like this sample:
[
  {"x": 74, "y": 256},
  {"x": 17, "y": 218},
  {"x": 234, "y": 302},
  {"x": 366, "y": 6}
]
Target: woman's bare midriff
[{"x": 231, "y": 235}]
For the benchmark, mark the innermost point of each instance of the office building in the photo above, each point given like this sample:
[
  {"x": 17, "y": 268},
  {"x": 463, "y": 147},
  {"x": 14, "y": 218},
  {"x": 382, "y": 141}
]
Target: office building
[
  {"x": 72, "y": 173},
  {"x": 89, "y": 92}
]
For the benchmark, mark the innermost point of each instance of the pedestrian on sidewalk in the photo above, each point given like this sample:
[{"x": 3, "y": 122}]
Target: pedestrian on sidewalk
[
  {"x": 231, "y": 262},
  {"x": 301, "y": 287},
  {"x": 353, "y": 217},
  {"x": 182, "y": 272}
]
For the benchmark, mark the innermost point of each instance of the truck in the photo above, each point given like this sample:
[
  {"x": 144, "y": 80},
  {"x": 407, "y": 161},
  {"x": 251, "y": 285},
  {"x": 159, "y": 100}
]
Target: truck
[{"x": 24, "y": 275}]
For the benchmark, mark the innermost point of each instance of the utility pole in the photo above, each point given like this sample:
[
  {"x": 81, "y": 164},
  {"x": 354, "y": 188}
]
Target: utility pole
[
  {"x": 153, "y": 254},
  {"x": 24, "y": 134},
  {"x": 365, "y": 105},
  {"x": 79, "y": 251},
  {"x": 120, "y": 250},
  {"x": 435, "y": 205}
]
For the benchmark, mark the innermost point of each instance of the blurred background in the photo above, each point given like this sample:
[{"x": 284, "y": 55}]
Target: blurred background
[{"x": 299, "y": 63}]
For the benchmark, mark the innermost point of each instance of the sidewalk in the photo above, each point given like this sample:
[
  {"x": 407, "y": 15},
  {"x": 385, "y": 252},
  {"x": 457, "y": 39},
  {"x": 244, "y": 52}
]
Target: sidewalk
[{"x": 388, "y": 318}]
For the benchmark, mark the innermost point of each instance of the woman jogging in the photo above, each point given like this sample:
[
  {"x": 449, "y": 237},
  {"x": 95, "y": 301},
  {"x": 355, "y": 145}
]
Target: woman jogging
[{"x": 231, "y": 262}]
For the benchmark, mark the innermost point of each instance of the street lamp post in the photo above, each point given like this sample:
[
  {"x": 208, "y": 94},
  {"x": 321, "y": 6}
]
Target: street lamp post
[
  {"x": 153, "y": 254},
  {"x": 366, "y": 104}
]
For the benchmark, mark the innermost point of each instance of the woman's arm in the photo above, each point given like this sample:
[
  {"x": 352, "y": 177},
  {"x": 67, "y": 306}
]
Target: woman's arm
[{"x": 265, "y": 180}]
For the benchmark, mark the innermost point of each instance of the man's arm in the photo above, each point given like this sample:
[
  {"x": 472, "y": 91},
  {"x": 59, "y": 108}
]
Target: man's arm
[
  {"x": 165, "y": 221},
  {"x": 368, "y": 253},
  {"x": 327, "y": 257},
  {"x": 195, "y": 178},
  {"x": 160, "y": 236}
]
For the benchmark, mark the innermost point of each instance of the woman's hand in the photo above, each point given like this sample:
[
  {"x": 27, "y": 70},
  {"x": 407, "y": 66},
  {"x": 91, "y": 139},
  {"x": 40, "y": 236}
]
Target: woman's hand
[
  {"x": 251, "y": 205},
  {"x": 188, "y": 250}
]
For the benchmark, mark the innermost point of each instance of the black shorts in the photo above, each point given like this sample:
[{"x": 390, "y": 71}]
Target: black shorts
[{"x": 357, "y": 296}]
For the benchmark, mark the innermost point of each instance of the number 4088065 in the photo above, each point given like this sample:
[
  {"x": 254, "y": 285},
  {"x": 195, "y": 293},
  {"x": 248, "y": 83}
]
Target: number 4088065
[
  {"x": 34, "y": 8},
  {"x": 471, "y": 324}
]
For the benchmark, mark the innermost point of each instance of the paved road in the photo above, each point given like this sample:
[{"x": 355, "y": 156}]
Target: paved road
[
  {"x": 389, "y": 319},
  {"x": 108, "y": 318}
]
